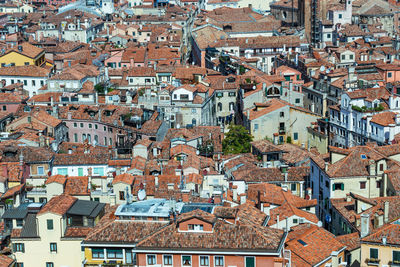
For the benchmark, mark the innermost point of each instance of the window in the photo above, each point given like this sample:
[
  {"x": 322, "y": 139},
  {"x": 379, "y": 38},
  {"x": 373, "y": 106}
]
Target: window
[
  {"x": 343, "y": 57},
  {"x": 26, "y": 63},
  {"x": 219, "y": 261},
  {"x": 250, "y": 262},
  {"x": 114, "y": 253},
  {"x": 81, "y": 125},
  {"x": 75, "y": 137},
  {"x": 231, "y": 94},
  {"x": 95, "y": 126},
  {"x": 378, "y": 184},
  {"x": 40, "y": 170},
  {"x": 25, "y": 82},
  {"x": 351, "y": 57},
  {"x": 195, "y": 227},
  {"x": 363, "y": 185},
  {"x": 219, "y": 106},
  {"x": 340, "y": 16},
  {"x": 49, "y": 264},
  {"x": 282, "y": 114},
  {"x": 204, "y": 261},
  {"x": 295, "y": 136},
  {"x": 90, "y": 126},
  {"x": 220, "y": 94},
  {"x": 338, "y": 186},
  {"x": 104, "y": 128},
  {"x": 20, "y": 222},
  {"x": 75, "y": 125},
  {"x": 297, "y": 101},
  {"x": 97, "y": 253},
  {"x": 19, "y": 264},
  {"x": 151, "y": 259},
  {"x": 381, "y": 167},
  {"x": 396, "y": 256},
  {"x": 98, "y": 171},
  {"x": 19, "y": 247},
  {"x": 121, "y": 195},
  {"x": 255, "y": 127},
  {"x": 33, "y": 83},
  {"x": 373, "y": 253},
  {"x": 50, "y": 225},
  {"x": 295, "y": 221},
  {"x": 187, "y": 260},
  {"x": 167, "y": 259},
  {"x": 293, "y": 187},
  {"x": 389, "y": 75},
  {"x": 53, "y": 247},
  {"x": 4, "y": 108}
]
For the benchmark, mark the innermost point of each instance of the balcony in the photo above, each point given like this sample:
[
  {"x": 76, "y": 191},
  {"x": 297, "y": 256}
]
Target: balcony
[{"x": 282, "y": 130}]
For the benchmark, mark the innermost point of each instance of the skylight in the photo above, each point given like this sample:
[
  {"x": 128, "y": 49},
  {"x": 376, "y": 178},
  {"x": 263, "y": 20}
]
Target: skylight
[
  {"x": 363, "y": 156},
  {"x": 302, "y": 242}
]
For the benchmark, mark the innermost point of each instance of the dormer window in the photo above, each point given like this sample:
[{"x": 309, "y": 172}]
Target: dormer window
[{"x": 195, "y": 227}]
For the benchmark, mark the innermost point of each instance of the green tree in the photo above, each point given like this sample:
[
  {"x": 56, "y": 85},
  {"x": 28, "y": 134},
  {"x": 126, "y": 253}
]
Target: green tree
[{"x": 237, "y": 140}]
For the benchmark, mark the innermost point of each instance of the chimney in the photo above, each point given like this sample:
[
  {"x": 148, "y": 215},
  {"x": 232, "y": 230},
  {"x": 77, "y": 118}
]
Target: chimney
[
  {"x": 326, "y": 166},
  {"x": 69, "y": 151},
  {"x": 348, "y": 198},
  {"x": 386, "y": 212},
  {"x": 242, "y": 198},
  {"x": 69, "y": 116},
  {"x": 234, "y": 193},
  {"x": 364, "y": 225},
  {"x": 156, "y": 182},
  {"x": 185, "y": 195},
  {"x": 217, "y": 198}
]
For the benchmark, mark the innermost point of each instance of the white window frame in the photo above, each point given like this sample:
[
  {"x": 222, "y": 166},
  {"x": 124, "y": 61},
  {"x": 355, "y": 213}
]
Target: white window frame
[
  {"x": 208, "y": 257},
  {"x": 223, "y": 261},
  {"x": 147, "y": 259},
  {"x": 40, "y": 167},
  {"x": 172, "y": 257}
]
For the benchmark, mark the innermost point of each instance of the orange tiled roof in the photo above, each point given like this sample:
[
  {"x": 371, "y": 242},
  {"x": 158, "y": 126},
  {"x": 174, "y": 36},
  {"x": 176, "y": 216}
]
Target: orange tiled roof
[{"x": 58, "y": 205}]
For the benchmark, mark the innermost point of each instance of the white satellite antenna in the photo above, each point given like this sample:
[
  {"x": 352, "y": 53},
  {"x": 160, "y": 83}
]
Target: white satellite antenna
[
  {"x": 141, "y": 193},
  {"x": 322, "y": 68}
]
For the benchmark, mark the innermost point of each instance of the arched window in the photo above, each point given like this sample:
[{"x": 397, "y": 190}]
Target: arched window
[
  {"x": 273, "y": 91},
  {"x": 231, "y": 106},
  {"x": 219, "y": 106}
]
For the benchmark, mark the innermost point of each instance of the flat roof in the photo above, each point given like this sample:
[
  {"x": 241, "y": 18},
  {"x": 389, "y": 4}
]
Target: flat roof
[{"x": 160, "y": 207}]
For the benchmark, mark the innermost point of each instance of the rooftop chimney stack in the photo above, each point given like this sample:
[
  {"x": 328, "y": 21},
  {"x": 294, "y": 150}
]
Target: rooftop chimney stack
[{"x": 364, "y": 225}]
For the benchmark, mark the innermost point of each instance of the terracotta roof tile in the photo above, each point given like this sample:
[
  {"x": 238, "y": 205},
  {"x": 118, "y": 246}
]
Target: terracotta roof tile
[{"x": 58, "y": 205}]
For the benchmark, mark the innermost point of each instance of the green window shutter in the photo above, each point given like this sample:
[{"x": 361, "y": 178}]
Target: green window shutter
[
  {"x": 50, "y": 225},
  {"x": 333, "y": 187},
  {"x": 14, "y": 247},
  {"x": 342, "y": 186},
  {"x": 23, "y": 247}
]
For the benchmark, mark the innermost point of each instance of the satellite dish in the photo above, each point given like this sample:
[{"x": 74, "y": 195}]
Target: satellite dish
[
  {"x": 141, "y": 194},
  {"x": 322, "y": 68}
]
